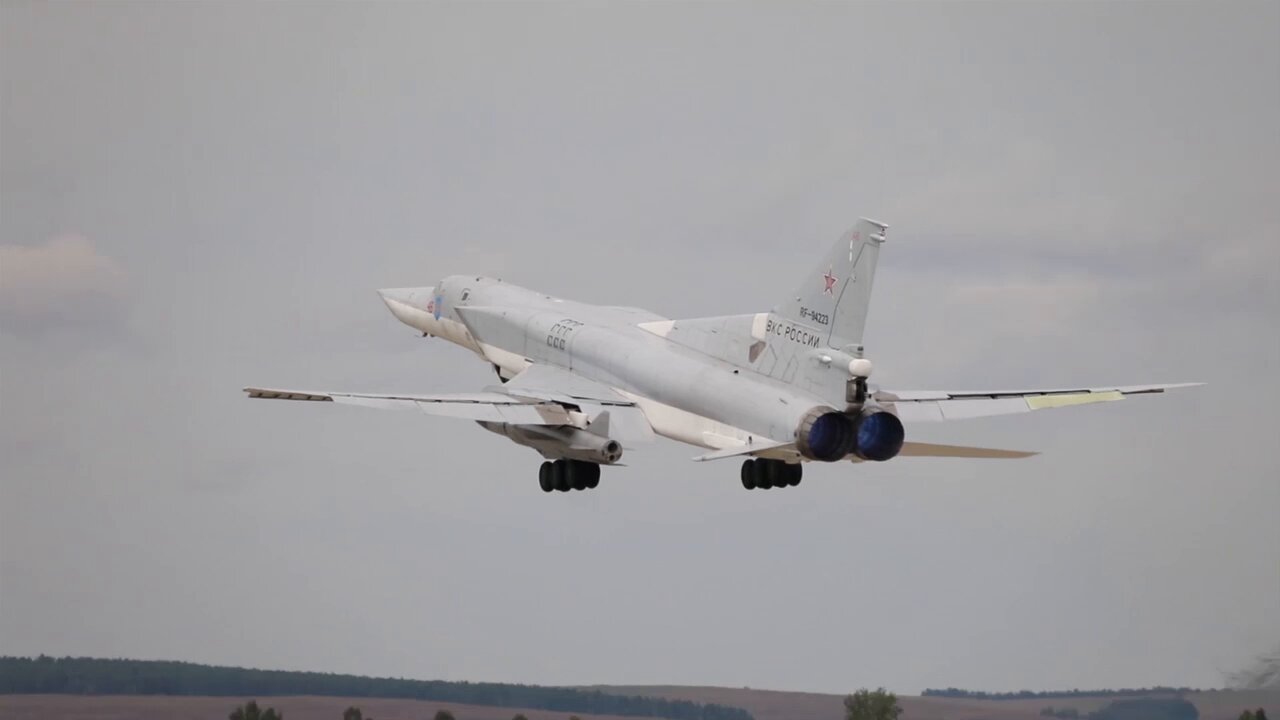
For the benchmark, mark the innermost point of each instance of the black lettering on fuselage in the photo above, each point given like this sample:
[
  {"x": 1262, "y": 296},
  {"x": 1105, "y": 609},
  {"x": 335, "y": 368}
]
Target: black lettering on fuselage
[
  {"x": 794, "y": 333},
  {"x": 819, "y": 317},
  {"x": 558, "y": 335}
]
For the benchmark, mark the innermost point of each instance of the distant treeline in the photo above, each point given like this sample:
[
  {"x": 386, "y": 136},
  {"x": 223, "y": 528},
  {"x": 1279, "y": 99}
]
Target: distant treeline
[
  {"x": 1147, "y": 709},
  {"x": 1032, "y": 694},
  {"x": 93, "y": 676},
  {"x": 1139, "y": 708}
]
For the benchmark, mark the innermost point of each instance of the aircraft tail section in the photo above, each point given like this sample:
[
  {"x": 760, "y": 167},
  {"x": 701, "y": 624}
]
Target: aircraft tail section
[
  {"x": 794, "y": 342},
  {"x": 833, "y": 299}
]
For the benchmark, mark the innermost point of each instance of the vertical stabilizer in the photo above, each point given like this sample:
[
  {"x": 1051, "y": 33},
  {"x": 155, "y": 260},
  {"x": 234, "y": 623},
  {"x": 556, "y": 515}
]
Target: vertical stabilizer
[{"x": 834, "y": 297}]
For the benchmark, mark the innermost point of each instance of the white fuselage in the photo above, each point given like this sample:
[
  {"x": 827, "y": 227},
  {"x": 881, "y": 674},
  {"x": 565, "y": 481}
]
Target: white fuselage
[{"x": 685, "y": 395}]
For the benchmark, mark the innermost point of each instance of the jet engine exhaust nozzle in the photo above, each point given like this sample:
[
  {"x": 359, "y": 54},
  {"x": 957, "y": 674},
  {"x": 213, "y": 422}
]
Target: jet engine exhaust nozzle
[
  {"x": 828, "y": 435},
  {"x": 879, "y": 436},
  {"x": 611, "y": 452},
  {"x": 825, "y": 434}
]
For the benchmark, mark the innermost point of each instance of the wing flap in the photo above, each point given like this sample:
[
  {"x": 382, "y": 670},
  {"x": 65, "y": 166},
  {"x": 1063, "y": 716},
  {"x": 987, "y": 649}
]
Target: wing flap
[{"x": 938, "y": 405}]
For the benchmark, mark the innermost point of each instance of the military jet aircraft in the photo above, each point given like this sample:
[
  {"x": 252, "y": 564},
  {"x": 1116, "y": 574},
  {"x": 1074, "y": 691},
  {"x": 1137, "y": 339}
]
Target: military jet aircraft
[{"x": 580, "y": 383}]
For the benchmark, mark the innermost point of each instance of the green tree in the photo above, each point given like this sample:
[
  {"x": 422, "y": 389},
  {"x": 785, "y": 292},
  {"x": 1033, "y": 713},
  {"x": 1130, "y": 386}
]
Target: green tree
[
  {"x": 1247, "y": 715},
  {"x": 251, "y": 711},
  {"x": 353, "y": 713},
  {"x": 1260, "y": 714},
  {"x": 443, "y": 715},
  {"x": 878, "y": 704},
  {"x": 519, "y": 716}
]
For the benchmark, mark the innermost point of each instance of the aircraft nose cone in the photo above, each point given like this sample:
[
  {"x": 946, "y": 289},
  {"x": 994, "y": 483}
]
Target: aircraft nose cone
[
  {"x": 416, "y": 298},
  {"x": 415, "y": 307}
]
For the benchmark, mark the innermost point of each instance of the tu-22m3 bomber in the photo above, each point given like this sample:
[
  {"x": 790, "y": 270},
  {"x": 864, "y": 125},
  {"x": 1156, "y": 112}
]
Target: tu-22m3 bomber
[{"x": 581, "y": 383}]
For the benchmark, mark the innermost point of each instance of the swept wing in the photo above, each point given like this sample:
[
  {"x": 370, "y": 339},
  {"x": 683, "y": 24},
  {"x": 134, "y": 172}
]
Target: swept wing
[
  {"x": 487, "y": 406},
  {"x": 541, "y": 395},
  {"x": 939, "y": 405}
]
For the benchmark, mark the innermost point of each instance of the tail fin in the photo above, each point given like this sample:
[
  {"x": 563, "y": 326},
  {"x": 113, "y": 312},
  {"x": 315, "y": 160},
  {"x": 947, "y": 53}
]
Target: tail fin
[{"x": 834, "y": 298}]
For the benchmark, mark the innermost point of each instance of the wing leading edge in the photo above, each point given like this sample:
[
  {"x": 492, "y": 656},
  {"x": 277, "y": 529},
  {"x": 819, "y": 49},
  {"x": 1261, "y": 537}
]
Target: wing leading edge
[{"x": 491, "y": 407}]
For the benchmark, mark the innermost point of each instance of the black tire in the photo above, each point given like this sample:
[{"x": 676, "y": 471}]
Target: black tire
[
  {"x": 795, "y": 473},
  {"x": 578, "y": 474},
  {"x": 546, "y": 477},
  {"x": 748, "y": 474},
  {"x": 560, "y": 471},
  {"x": 778, "y": 475},
  {"x": 762, "y": 472},
  {"x": 593, "y": 476}
]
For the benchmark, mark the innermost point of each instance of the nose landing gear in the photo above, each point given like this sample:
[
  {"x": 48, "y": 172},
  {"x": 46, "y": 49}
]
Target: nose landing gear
[{"x": 764, "y": 474}]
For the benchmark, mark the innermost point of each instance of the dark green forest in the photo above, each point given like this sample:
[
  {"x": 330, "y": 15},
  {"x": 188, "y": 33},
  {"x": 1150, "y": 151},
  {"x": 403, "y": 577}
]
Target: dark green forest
[
  {"x": 93, "y": 676},
  {"x": 1032, "y": 694},
  {"x": 1147, "y": 709}
]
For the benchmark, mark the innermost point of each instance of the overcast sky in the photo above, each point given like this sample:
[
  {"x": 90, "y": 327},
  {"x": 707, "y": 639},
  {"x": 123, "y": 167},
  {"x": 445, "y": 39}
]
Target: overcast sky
[{"x": 198, "y": 197}]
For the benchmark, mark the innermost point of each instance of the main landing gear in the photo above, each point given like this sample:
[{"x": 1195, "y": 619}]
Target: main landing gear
[
  {"x": 566, "y": 475},
  {"x": 765, "y": 474}
]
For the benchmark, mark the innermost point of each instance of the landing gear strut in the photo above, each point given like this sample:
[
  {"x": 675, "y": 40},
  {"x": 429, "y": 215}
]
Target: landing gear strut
[
  {"x": 566, "y": 475},
  {"x": 765, "y": 474}
]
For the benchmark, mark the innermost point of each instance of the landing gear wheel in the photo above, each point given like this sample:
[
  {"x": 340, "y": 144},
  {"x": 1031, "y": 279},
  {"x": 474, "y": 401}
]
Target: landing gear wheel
[
  {"x": 546, "y": 478},
  {"x": 794, "y": 472},
  {"x": 593, "y": 475},
  {"x": 761, "y": 470},
  {"x": 578, "y": 474},
  {"x": 764, "y": 474},
  {"x": 778, "y": 474},
  {"x": 560, "y": 471}
]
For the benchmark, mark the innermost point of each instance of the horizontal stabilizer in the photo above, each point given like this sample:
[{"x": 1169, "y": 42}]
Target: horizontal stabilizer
[{"x": 918, "y": 449}]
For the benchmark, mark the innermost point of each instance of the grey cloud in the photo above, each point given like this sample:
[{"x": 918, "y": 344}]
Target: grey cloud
[{"x": 61, "y": 284}]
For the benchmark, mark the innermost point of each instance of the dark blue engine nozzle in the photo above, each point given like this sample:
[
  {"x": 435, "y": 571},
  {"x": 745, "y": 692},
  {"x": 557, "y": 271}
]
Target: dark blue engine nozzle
[
  {"x": 828, "y": 435},
  {"x": 878, "y": 436},
  {"x": 825, "y": 434}
]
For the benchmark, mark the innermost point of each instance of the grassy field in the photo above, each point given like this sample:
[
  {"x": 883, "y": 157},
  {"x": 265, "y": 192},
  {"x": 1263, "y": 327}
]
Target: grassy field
[
  {"x": 176, "y": 707},
  {"x": 776, "y": 705},
  {"x": 763, "y": 704}
]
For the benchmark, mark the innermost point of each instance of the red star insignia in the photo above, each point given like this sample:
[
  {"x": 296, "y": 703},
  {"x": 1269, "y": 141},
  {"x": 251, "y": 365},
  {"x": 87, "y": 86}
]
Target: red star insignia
[{"x": 830, "y": 280}]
